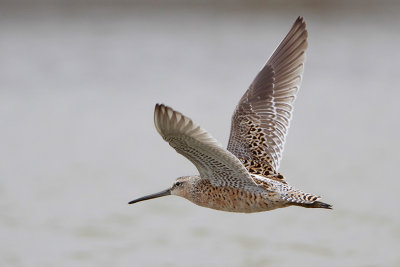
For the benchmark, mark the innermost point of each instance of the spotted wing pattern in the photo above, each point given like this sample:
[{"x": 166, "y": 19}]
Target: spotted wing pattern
[
  {"x": 261, "y": 120},
  {"x": 213, "y": 162}
]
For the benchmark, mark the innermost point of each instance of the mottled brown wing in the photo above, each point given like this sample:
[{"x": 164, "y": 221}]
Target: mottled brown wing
[
  {"x": 213, "y": 162},
  {"x": 261, "y": 120}
]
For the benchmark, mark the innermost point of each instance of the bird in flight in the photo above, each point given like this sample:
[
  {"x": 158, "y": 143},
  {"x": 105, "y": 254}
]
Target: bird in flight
[{"x": 244, "y": 177}]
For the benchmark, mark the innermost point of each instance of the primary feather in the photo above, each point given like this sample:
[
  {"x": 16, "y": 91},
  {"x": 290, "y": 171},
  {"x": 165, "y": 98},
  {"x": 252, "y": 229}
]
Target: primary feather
[{"x": 261, "y": 120}]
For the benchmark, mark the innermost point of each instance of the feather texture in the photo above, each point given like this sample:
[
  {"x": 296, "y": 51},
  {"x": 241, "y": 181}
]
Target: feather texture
[
  {"x": 261, "y": 120},
  {"x": 213, "y": 162}
]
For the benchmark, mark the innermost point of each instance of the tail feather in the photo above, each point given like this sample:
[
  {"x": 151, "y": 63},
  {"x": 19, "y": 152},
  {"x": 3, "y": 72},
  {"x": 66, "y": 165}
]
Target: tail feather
[{"x": 316, "y": 204}]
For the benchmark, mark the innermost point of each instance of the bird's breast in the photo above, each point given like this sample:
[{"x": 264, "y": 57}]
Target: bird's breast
[{"x": 234, "y": 199}]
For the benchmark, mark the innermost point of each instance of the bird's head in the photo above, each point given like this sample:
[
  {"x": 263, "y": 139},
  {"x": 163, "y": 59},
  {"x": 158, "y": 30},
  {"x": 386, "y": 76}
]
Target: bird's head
[{"x": 181, "y": 187}]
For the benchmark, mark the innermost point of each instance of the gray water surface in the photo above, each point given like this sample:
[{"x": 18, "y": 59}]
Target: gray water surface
[{"x": 78, "y": 85}]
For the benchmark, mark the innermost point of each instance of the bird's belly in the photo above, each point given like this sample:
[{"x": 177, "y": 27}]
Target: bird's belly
[{"x": 238, "y": 200}]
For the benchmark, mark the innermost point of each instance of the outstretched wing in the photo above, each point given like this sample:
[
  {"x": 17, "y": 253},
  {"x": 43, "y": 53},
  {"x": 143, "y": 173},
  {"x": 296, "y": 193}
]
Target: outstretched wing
[
  {"x": 261, "y": 120},
  {"x": 213, "y": 162}
]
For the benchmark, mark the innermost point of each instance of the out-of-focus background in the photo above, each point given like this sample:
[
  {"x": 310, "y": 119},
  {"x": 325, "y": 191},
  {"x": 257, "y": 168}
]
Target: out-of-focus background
[{"x": 78, "y": 84}]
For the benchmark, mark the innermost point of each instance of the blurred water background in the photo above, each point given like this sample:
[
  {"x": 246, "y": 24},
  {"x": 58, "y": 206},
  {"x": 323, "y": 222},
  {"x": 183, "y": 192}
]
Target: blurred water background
[{"x": 78, "y": 84}]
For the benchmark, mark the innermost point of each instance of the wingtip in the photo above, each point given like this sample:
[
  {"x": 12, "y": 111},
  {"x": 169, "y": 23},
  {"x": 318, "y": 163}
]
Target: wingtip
[
  {"x": 300, "y": 20},
  {"x": 157, "y": 110},
  {"x": 301, "y": 23},
  {"x": 158, "y": 106},
  {"x": 163, "y": 108}
]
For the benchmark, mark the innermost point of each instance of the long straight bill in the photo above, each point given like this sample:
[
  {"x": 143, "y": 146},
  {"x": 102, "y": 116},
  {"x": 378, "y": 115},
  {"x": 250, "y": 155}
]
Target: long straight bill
[{"x": 159, "y": 194}]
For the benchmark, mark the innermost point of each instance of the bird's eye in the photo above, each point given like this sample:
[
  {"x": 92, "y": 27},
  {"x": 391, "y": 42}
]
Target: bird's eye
[{"x": 178, "y": 183}]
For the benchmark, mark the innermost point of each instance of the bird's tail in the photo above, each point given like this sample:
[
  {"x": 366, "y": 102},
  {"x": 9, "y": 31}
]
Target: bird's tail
[
  {"x": 316, "y": 204},
  {"x": 303, "y": 199}
]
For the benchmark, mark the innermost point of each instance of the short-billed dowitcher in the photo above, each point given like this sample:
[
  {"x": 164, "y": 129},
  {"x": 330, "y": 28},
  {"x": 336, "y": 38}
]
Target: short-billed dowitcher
[{"x": 244, "y": 177}]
